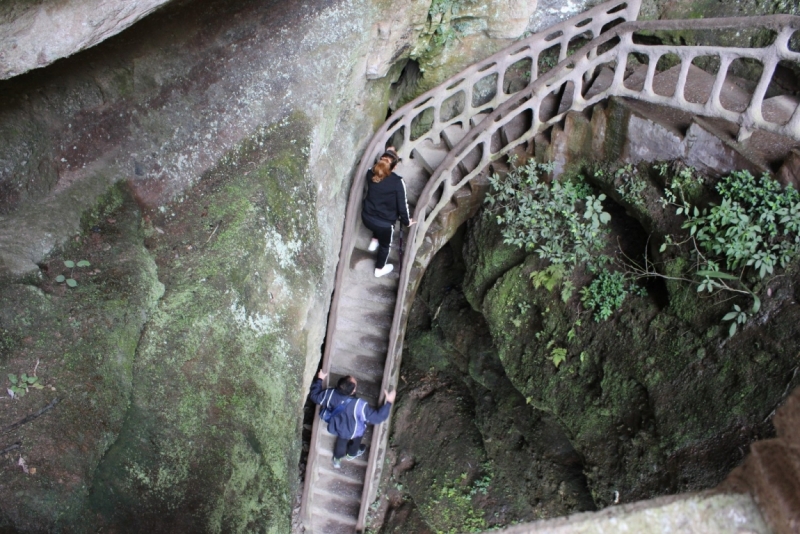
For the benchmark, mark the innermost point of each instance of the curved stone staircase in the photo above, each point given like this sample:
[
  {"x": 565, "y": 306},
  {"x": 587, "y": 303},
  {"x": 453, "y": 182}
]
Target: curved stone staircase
[{"x": 452, "y": 137}]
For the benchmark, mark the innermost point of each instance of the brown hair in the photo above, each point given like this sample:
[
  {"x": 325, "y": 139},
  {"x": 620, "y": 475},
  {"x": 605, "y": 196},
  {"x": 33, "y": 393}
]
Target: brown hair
[
  {"x": 381, "y": 170},
  {"x": 385, "y": 165}
]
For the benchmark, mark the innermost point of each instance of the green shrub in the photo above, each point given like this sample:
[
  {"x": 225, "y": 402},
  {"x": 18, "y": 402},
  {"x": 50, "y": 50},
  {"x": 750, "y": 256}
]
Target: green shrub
[
  {"x": 563, "y": 222},
  {"x": 755, "y": 224},
  {"x": 605, "y": 294}
]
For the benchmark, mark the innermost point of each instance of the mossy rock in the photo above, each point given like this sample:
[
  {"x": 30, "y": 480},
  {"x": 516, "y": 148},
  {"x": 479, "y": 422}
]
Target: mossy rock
[
  {"x": 81, "y": 344},
  {"x": 211, "y": 443}
]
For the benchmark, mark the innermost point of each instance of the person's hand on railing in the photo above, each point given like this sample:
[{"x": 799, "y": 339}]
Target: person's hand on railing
[
  {"x": 322, "y": 374},
  {"x": 411, "y": 222},
  {"x": 389, "y": 397}
]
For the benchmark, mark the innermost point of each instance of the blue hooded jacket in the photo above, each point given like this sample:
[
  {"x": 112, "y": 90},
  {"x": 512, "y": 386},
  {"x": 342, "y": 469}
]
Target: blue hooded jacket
[{"x": 351, "y": 422}]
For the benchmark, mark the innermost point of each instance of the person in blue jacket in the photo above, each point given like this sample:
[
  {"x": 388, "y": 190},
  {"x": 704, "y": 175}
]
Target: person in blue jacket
[
  {"x": 350, "y": 423},
  {"x": 385, "y": 202}
]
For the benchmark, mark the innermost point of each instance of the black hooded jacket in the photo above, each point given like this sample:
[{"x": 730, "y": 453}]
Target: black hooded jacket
[{"x": 386, "y": 201}]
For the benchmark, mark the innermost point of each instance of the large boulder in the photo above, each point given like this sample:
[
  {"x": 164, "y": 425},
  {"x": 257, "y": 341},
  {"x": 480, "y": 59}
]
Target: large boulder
[{"x": 34, "y": 34}]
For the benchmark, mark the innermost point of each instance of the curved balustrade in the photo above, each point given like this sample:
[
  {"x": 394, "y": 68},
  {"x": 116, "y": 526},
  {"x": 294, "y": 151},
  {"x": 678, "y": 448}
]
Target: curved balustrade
[
  {"x": 579, "y": 70},
  {"x": 589, "y": 25}
]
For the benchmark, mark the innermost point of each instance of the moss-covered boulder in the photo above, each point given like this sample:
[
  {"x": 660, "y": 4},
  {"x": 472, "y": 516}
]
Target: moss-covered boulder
[
  {"x": 468, "y": 451},
  {"x": 80, "y": 343},
  {"x": 656, "y": 399},
  {"x": 212, "y": 440}
]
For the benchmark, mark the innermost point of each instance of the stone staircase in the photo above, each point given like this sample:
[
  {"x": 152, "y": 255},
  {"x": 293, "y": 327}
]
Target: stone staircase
[{"x": 469, "y": 135}]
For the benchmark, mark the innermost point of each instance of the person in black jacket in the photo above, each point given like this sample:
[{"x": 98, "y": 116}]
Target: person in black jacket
[
  {"x": 384, "y": 203},
  {"x": 349, "y": 425}
]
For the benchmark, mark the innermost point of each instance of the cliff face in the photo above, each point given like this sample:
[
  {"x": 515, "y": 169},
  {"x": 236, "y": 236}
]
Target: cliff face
[{"x": 199, "y": 162}]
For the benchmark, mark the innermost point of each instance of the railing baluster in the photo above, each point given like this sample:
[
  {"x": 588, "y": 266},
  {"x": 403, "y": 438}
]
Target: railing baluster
[{"x": 714, "y": 103}]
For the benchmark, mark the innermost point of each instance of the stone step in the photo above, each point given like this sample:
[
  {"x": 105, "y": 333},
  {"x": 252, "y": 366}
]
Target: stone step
[
  {"x": 378, "y": 316},
  {"x": 356, "y": 342},
  {"x": 430, "y": 156},
  {"x": 602, "y": 81},
  {"x": 362, "y": 366},
  {"x": 351, "y": 471},
  {"x": 355, "y": 321},
  {"x": 332, "y": 481},
  {"x": 337, "y": 507},
  {"x": 330, "y": 523},
  {"x": 453, "y": 134},
  {"x": 779, "y": 109},
  {"x": 515, "y": 128},
  {"x": 362, "y": 269}
]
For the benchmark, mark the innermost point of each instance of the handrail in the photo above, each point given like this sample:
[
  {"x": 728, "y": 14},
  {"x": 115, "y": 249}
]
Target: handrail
[
  {"x": 586, "y": 60},
  {"x": 575, "y": 69}
]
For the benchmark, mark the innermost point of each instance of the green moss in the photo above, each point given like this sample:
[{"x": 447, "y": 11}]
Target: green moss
[
  {"x": 109, "y": 202},
  {"x": 452, "y": 510},
  {"x": 83, "y": 342},
  {"x": 216, "y": 374}
]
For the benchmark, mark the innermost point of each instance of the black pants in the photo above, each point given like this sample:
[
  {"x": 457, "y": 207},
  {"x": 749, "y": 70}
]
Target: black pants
[
  {"x": 344, "y": 446},
  {"x": 384, "y": 236}
]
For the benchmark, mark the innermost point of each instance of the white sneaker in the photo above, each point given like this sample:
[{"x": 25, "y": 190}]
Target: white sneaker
[
  {"x": 373, "y": 245},
  {"x": 386, "y": 270}
]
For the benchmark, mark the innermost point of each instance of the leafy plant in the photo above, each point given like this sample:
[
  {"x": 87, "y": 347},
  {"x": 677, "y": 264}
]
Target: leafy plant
[
  {"x": 563, "y": 222},
  {"x": 736, "y": 317},
  {"x": 20, "y": 385},
  {"x": 753, "y": 229},
  {"x": 558, "y": 355},
  {"x": 605, "y": 294},
  {"x": 69, "y": 264},
  {"x": 548, "y": 278},
  {"x": 755, "y": 225},
  {"x": 630, "y": 185}
]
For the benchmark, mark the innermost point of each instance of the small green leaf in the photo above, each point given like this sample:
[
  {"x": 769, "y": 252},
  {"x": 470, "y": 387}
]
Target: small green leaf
[
  {"x": 24, "y": 377},
  {"x": 730, "y": 316},
  {"x": 71, "y": 282},
  {"x": 558, "y": 356},
  {"x": 756, "y": 304},
  {"x": 83, "y": 263},
  {"x": 69, "y": 264},
  {"x": 60, "y": 278},
  {"x": 732, "y": 329},
  {"x": 37, "y": 386},
  {"x": 663, "y": 248},
  {"x": 12, "y": 378},
  {"x": 32, "y": 379}
]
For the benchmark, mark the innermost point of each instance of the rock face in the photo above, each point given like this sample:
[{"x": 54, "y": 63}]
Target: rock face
[
  {"x": 656, "y": 400},
  {"x": 200, "y": 162},
  {"x": 34, "y": 34}
]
